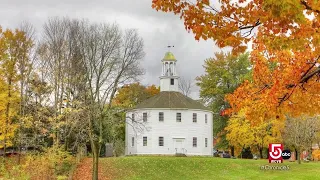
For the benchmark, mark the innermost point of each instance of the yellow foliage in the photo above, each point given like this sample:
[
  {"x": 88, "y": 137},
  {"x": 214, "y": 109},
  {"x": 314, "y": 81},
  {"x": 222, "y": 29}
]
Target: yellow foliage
[
  {"x": 14, "y": 47},
  {"x": 7, "y": 130},
  {"x": 54, "y": 163},
  {"x": 241, "y": 133}
]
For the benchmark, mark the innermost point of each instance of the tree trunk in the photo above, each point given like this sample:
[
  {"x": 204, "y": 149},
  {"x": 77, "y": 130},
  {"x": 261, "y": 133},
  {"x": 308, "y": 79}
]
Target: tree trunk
[
  {"x": 21, "y": 115},
  {"x": 4, "y": 150},
  {"x": 298, "y": 156},
  {"x": 310, "y": 153},
  {"x": 232, "y": 151},
  {"x": 7, "y": 119},
  {"x": 260, "y": 151},
  {"x": 296, "y": 153},
  {"x": 66, "y": 143},
  {"x": 19, "y": 148},
  {"x": 95, "y": 148},
  {"x": 95, "y": 165}
]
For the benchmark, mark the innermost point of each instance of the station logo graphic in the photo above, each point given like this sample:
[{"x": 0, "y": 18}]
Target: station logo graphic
[{"x": 277, "y": 154}]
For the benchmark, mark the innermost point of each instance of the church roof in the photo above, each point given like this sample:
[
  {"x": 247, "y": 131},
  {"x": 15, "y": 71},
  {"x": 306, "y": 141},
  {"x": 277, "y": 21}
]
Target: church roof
[
  {"x": 171, "y": 99},
  {"x": 169, "y": 57}
]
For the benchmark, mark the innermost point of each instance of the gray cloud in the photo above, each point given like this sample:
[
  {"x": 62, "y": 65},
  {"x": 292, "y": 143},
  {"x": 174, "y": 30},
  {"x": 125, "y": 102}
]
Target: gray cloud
[{"x": 158, "y": 29}]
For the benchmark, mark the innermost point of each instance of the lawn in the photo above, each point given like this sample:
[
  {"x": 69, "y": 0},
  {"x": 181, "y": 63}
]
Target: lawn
[{"x": 185, "y": 168}]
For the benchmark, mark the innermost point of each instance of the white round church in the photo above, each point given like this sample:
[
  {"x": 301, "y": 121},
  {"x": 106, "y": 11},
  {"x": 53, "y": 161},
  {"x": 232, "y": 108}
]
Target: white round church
[{"x": 169, "y": 123}]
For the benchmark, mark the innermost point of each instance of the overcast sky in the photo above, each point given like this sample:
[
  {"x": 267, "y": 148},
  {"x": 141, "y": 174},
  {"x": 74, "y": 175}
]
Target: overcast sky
[{"x": 158, "y": 29}]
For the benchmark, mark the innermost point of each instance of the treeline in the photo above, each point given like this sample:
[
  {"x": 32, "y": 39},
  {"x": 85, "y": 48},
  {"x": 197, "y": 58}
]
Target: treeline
[
  {"x": 58, "y": 89},
  {"x": 243, "y": 137}
]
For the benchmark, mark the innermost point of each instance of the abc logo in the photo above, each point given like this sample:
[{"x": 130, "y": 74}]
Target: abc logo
[
  {"x": 277, "y": 154},
  {"x": 286, "y": 154}
]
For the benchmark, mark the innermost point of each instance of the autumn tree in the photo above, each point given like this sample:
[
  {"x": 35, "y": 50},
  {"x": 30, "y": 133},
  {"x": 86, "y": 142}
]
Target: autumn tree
[
  {"x": 128, "y": 96},
  {"x": 283, "y": 33},
  {"x": 264, "y": 133},
  {"x": 85, "y": 63},
  {"x": 7, "y": 128},
  {"x": 37, "y": 122},
  {"x": 14, "y": 48},
  {"x": 301, "y": 132},
  {"x": 152, "y": 90},
  {"x": 223, "y": 74},
  {"x": 241, "y": 133},
  {"x": 132, "y": 94}
]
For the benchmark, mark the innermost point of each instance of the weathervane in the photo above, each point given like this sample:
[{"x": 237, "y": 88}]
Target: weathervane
[{"x": 169, "y": 47}]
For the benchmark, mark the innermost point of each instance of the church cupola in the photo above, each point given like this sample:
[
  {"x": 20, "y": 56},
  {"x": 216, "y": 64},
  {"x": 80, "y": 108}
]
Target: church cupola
[{"x": 169, "y": 77}]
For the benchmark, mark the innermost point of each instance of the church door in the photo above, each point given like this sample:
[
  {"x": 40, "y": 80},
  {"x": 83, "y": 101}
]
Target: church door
[{"x": 179, "y": 145}]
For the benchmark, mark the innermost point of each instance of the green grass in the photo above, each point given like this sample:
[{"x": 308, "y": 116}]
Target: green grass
[{"x": 170, "y": 168}]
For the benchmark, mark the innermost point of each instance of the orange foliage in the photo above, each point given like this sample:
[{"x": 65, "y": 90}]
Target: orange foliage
[
  {"x": 84, "y": 171},
  {"x": 316, "y": 155},
  {"x": 285, "y": 49},
  {"x": 133, "y": 94},
  {"x": 152, "y": 90}
]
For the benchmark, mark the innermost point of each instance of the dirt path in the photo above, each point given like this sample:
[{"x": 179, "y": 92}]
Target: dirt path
[{"x": 84, "y": 171}]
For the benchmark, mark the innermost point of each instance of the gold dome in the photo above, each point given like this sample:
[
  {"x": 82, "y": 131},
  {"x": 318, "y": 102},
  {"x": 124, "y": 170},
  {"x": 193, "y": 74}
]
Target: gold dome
[{"x": 169, "y": 57}]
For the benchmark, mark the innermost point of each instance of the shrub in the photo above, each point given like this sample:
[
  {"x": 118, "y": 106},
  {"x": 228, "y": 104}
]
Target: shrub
[
  {"x": 53, "y": 163},
  {"x": 119, "y": 147},
  {"x": 13, "y": 173},
  {"x": 316, "y": 155}
]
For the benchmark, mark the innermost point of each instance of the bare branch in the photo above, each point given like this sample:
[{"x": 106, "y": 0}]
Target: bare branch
[{"x": 185, "y": 86}]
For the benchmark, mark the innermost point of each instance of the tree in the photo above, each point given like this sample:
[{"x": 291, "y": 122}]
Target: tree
[
  {"x": 264, "y": 133},
  {"x": 127, "y": 97},
  {"x": 285, "y": 49},
  {"x": 56, "y": 53},
  {"x": 241, "y": 133},
  {"x": 36, "y": 124},
  {"x": 85, "y": 63},
  {"x": 24, "y": 68},
  {"x": 185, "y": 86},
  {"x": 301, "y": 132},
  {"x": 223, "y": 74},
  {"x": 7, "y": 128},
  {"x": 152, "y": 90},
  {"x": 132, "y": 94},
  {"x": 110, "y": 59},
  {"x": 61, "y": 68},
  {"x": 14, "y": 48}
]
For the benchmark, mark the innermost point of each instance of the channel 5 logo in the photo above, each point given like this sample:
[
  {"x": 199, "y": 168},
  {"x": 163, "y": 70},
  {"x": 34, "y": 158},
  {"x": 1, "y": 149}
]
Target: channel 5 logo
[{"x": 277, "y": 154}]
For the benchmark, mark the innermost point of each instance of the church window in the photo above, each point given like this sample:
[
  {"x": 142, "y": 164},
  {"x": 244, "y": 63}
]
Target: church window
[
  {"x": 145, "y": 141},
  {"x": 161, "y": 141},
  {"x": 178, "y": 117},
  {"x": 194, "y": 118},
  {"x": 161, "y": 116},
  {"x": 206, "y": 142},
  {"x": 132, "y": 141},
  {"x": 145, "y": 117},
  {"x": 172, "y": 81},
  {"x": 194, "y": 142},
  {"x": 132, "y": 117},
  {"x": 206, "y": 118}
]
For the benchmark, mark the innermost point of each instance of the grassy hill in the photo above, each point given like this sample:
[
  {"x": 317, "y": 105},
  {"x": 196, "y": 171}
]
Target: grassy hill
[{"x": 169, "y": 168}]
